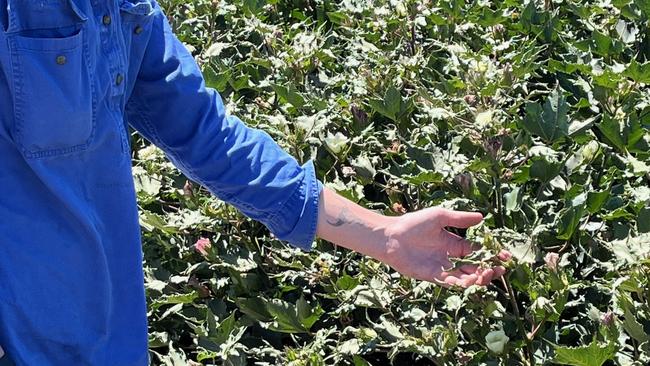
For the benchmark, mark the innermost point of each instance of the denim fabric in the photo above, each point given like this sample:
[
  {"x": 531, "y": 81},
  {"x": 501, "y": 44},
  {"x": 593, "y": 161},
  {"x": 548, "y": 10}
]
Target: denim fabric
[{"x": 74, "y": 75}]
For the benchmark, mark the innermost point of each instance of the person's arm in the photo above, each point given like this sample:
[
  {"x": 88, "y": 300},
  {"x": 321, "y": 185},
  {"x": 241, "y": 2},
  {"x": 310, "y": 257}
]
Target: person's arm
[
  {"x": 171, "y": 106},
  {"x": 416, "y": 244}
]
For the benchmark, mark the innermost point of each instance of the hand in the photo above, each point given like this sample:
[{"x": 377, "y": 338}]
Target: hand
[{"x": 419, "y": 246}]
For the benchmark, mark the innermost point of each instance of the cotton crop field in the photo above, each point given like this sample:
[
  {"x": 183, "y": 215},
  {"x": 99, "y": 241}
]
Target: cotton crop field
[{"x": 535, "y": 113}]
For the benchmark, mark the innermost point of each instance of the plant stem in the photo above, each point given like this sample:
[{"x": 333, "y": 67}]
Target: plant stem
[
  {"x": 537, "y": 328},
  {"x": 520, "y": 325},
  {"x": 500, "y": 213}
]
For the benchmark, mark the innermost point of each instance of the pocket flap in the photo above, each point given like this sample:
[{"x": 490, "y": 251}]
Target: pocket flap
[
  {"x": 137, "y": 7},
  {"x": 25, "y": 16}
]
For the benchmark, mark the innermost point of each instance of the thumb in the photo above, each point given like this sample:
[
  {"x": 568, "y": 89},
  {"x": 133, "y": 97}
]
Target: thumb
[{"x": 460, "y": 219}]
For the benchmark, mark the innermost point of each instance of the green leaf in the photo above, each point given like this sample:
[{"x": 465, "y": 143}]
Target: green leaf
[
  {"x": 175, "y": 299},
  {"x": 596, "y": 200},
  {"x": 393, "y": 100},
  {"x": 633, "y": 327},
  {"x": 601, "y": 44},
  {"x": 530, "y": 16},
  {"x": 221, "y": 333},
  {"x": 425, "y": 177},
  {"x": 286, "y": 317},
  {"x": 337, "y": 17},
  {"x": 216, "y": 80},
  {"x": 392, "y": 105},
  {"x": 255, "y": 308},
  {"x": 523, "y": 251},
  {"x": 254, "y": 6},
  {"x": 549, "y": 122},
  {"x": 544, "y": 170},
  {"x": 150, "y": 221},
  {"x": 569, "y": 221},
  {"x": 638, "y": 72},
  {"x": 358, "y": 361},
  {"x": 346, "y": 282},
  {"x": 644, "y": 5},
  {"x": 289, "y": 95},
  {"x": 593, "y": 355},
  {"x": 614, "y": 131},
  {"x": 520, "y": 245},
  {"x": 158, "y": 339},
  {"x": 306, "y": 314}
]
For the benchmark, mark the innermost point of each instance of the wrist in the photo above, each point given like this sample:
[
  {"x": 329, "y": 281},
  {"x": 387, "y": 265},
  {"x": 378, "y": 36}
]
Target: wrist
[
  {"x": 349, "y": 225},
  {"x": 383, "y": 242}
]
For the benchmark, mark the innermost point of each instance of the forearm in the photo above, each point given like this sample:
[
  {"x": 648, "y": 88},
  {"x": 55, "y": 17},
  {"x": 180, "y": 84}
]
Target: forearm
[{"x": 349, "y": 225}]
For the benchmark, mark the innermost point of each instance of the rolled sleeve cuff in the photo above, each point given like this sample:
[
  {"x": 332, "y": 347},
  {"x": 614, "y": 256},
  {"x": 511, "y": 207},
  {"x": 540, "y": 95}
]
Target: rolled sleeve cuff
[{"x": 296, "y": 221}]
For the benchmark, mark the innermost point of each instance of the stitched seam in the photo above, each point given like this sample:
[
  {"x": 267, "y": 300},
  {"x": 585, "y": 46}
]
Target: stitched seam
[
  {"x": 296, "y": 191},
  {"x": 314, "y": 221},
  {"x": 16, "y": 76}
]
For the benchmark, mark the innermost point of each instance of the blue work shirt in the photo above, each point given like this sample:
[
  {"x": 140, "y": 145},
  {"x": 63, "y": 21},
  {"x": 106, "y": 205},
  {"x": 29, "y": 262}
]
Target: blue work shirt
[{"x": 75, "y": 74}]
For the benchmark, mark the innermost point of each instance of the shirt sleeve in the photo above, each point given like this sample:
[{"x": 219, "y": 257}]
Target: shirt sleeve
[{"x": 171, "y": 107}]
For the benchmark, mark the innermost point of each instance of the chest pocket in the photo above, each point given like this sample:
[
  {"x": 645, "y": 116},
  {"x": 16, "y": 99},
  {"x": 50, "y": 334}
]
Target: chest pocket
[{"x": 53, "y": 92}]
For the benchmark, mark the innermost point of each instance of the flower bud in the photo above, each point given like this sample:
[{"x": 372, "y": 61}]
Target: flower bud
[
  {"x": 470, "y": 99},
  {"x": 607, "y": 318},
  {"x": 496, "y": 341},
  {"x": 552, "y": 260},
  {"x": 493, "y": 146},
  {"x": 465, "y": 182},
  {"x": 336, "y": 143},
  {"x": 359, "y": 114},
  {"x": 202, "y": 245},
  {"x": 187, "y": 189}
]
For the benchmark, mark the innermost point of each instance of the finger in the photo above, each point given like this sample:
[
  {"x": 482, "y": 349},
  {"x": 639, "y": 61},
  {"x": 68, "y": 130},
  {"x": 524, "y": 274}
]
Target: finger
[
  {"x": 458, "y": 278},
  {"x": 468, "y": 275},
  {"x": 461, "y": 219},
  {"x": 498, "y": 272},
  {"x": 504, "y": 255},
  {"x": 457, "y": 246},
  {"x": 468, "y": 279},
  {"x": 484, "y": 276},
  {"x": 490, "y": 274},
  {"x": 450, "y": 281}
]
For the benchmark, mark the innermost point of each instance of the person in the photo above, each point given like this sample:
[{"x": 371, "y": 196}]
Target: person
[{"x": 75, "y": 75}]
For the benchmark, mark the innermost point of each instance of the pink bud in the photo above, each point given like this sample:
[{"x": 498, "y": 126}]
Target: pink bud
[
  {"x": 187, "y": 189},
  {"x": 202, "y": 245},
  {"x": 551, "y": 260}
]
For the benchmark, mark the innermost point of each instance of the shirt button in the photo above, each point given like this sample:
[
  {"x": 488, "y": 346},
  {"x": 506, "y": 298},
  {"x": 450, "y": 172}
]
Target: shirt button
[
  {"x": 138, "y": 29},
  {"x": 60, "y": 60},
  {"x": 106, "y": 20},
  {"x": 119, "y": 79}
]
